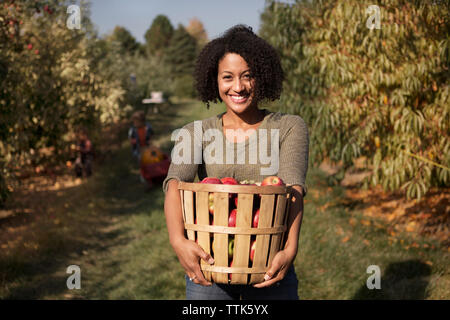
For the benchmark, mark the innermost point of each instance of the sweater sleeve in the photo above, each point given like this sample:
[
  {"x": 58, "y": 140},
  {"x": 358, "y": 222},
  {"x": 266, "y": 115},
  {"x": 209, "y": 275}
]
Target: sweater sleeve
[
  {"x": 184, "y": 156},
  {"x": 294, "y": 153}
]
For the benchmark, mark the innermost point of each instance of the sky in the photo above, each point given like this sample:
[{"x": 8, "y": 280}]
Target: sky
[{"x": 137, "y": 15}]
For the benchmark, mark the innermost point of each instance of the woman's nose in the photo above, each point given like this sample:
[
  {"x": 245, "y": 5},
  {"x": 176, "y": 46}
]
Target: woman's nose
[{"x": 237, "y": 85}]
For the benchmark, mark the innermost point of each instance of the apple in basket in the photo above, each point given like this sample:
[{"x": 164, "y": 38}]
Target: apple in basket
[
  {"x": 211, "y": 203},
  {"x": 211, "y": 180},
  {"x": 231, "y": 265},
  {"x": 232, "y": 181},
  {"x": 252, "y": 250},
  {"x": 230, "y": 247},
  {"x": 232, "y": 218},
  {"x": 255, "y": 219},
  {"x": 272, "y": 181},
  {"x": 229, "y": 180}
]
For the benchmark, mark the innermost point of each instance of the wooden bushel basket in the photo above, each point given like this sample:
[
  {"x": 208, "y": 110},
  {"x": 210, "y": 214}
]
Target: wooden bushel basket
[{"x": 269, "y": 235}]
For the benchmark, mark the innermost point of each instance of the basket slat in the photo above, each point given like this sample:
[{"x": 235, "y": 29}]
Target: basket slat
[
  {"x": 188, "y": 200},
  {"x": 262, "y": 241},
  {"x": 278, "y": 220},
  {"x": 203, "y": 218},
  {"x": 242, "y": 242},
  {"x": 220, "y": 240}
]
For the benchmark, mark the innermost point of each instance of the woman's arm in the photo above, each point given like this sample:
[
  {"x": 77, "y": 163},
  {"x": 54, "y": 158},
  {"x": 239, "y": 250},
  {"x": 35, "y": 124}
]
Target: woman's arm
[
  {"x": 172, "y": 210},
  {"x": 294, "y": 220}
]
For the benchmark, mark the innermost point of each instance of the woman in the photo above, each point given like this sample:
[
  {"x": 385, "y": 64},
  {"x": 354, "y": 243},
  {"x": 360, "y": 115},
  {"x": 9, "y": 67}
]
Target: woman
[{"x": 241, "y": 70}]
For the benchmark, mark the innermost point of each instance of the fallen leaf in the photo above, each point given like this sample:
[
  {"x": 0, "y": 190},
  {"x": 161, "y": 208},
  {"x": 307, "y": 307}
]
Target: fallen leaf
[
  {"x": 411, "y": 226},
  {"x": 344, "y": 240},
  {"x": 339, "y": 231}
]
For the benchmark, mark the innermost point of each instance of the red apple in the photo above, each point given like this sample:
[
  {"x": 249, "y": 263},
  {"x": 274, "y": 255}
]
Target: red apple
[
  {"x": 233, "y": 200},
  {"x": 30, "y": 46},
  {"x": 252, "y": 250},
  {"x": 272, "y": 181},
  {"x": 232, "y": 218},
  {"x": 229, "y": 180},
  {"x": 255, "y": 219},
  {"x": 211, "y": 180},
  {"x": 236, "y": 201},
  {"x": 232, "y": 181}
]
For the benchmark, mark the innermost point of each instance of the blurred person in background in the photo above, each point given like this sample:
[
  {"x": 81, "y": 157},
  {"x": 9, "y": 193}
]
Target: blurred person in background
[
  {"x": 139, "y": 135},
  {"x": 83, "y": 163}
]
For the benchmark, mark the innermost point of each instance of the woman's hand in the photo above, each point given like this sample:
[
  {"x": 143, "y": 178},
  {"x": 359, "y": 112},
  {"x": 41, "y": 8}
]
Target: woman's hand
[
  {"x": 278, "y": 269},
  {"x": 189, "y": 253}
]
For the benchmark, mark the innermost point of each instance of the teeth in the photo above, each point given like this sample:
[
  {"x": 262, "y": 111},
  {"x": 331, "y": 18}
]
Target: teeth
[{"x": 237, "y": 97}]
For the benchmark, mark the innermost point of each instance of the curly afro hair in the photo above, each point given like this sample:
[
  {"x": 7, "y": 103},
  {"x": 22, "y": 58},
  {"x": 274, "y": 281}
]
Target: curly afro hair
[{"x": 261, "y": 57}]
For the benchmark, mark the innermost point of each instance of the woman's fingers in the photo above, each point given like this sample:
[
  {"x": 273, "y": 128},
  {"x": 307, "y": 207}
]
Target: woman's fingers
[
  {"x": 205, "y": 256},
  {"x": 197, "y": 277},
  {"x": 275, "y": 273},
  {"x": 194, "y": 271}
]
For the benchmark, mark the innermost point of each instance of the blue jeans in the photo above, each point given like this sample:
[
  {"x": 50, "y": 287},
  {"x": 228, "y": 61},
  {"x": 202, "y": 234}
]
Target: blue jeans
[{"x": 285, "y": 289}]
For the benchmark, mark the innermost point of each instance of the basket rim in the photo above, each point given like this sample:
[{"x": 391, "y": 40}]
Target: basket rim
[{"x": 229, "y": 188}]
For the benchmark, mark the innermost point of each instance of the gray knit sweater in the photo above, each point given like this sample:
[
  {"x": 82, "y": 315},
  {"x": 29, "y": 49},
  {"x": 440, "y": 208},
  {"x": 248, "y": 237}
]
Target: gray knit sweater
[{"x": 280, "y": 147}]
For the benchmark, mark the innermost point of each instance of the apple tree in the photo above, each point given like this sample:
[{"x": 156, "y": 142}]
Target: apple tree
[{"x": 376, "y": 91}]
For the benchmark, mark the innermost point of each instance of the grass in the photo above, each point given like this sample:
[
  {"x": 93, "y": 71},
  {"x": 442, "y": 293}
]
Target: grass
[{"x": 115, "y": 231}]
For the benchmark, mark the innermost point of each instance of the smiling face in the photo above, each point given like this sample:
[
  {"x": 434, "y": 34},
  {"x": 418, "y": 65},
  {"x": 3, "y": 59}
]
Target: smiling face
[{"x": 236, "y": 84}]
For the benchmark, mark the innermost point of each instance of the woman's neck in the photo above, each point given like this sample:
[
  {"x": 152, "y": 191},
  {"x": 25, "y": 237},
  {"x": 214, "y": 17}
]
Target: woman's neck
[{"x": 244, "y": 120}]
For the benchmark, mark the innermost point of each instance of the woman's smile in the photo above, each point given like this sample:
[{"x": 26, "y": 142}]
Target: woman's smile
[{"x": 238, "y": 99}]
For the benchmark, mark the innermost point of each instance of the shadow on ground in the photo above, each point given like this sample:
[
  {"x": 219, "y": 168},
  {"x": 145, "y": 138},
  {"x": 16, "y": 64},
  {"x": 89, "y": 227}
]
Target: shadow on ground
[{"x": 406, "y": 280}]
